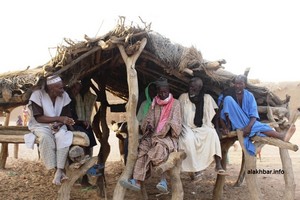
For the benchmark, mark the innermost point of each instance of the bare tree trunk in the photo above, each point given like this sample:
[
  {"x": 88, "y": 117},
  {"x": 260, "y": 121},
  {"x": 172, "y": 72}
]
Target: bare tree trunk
[
  {"x": 105, "y": 148},
  {"x": 289, "y": 192},
  {"x": 119, "y": 192},
  {"x": 103, "y": 133},
  {"x": 250, "y": 164}
]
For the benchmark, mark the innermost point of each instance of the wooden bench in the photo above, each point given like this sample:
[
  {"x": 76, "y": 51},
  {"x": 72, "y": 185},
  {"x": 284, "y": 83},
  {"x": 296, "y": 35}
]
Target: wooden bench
[
  {"x": 15, "y": 135},
  {"x": 249, "y": 162}
]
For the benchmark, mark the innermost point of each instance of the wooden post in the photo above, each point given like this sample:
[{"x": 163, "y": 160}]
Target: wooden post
[
  {"x": 242, "y": 173},
  {"x": 250, "y": 164},
  {"x": 4, "y": 146},
  {"x": 220, "y": 181},
  {"x": 290, "y": 186},
  {"x": 16, "y": 150},
  {"x": 103, "y": 133},
  {"x": 132, "y": 81},
  {"x": 173, "y": 165},
  {"x": 177, "y": 189}
]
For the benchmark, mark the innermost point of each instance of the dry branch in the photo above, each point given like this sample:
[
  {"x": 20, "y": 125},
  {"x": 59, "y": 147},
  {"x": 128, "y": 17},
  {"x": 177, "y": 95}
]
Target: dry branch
[
  {"x": 73, "y": 175},
  {"x": 275, "y": 142},
  {"x": 65, "y": 68},
  {"x": 173, "y": 158}
]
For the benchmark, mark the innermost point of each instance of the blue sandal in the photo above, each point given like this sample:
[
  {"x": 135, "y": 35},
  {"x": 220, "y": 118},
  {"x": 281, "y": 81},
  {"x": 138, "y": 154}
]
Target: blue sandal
[
  {"x": 162, "y": 186},
  {"x": 130, "y": 184},
  {"x": 94, "y": 171}
]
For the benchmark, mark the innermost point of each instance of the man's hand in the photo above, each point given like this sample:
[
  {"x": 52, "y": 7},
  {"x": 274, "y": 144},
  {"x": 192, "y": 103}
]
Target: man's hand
[
  {"x": 246, "y": 131},
  {"x": 225, "y": 131},
  {"x": 67, "y": 120}
]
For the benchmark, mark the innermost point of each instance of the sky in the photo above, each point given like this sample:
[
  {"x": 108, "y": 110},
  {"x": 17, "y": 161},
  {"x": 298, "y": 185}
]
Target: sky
[{"x": 261, "y": 34}]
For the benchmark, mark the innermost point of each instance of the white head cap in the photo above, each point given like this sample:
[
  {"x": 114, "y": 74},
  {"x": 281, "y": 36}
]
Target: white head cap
[{"x": 53, "y": 79}]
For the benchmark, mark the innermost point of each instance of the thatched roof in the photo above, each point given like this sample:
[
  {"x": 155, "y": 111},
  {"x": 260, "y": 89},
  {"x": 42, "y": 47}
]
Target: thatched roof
[{"x": 99, "y": 58}]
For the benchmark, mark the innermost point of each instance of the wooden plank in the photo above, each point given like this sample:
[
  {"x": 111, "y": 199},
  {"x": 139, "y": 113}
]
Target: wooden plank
[
  {"x": 14, "y": 130},
  {"x": 17, "y": 136}
]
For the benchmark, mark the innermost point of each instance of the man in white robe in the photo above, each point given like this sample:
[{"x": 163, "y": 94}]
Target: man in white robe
[
  {"x": 50, "y": 115},
  {"x": 199, "y": 138}
]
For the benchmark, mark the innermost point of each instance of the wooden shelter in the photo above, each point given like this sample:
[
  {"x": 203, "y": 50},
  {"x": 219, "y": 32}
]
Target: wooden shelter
[{"x": 123, "y": 62}]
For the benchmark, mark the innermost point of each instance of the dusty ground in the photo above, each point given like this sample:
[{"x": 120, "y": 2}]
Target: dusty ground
[{"x": 25, "y": 178}]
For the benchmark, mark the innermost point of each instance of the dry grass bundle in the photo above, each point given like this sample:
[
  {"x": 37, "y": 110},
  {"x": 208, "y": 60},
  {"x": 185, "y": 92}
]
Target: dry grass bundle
[
  {"x": 191, "y": 58},
  {"x": 17, "y": 82},
  {"x": 165, "y": 50}
]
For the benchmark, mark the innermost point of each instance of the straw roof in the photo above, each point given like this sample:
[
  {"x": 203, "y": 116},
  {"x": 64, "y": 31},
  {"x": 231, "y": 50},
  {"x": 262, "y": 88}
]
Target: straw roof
[{"x": 99, "y": 58}]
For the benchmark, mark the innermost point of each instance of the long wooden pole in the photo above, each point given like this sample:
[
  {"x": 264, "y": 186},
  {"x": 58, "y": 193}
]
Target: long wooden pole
[{"x": 119, "y": 192}]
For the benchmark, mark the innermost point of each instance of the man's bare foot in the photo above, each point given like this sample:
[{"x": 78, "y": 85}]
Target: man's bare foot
[
  {"x": 59, "y": 177},
  {"x": 289, "y": 133}
]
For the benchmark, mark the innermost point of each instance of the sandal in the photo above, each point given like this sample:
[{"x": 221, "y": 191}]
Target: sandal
[
  {"x": 94, "y": 171},
  {"x": 162, "y": 186},
  {"x": 130, "y": 184},
  {"x": 222, "y": 172}
]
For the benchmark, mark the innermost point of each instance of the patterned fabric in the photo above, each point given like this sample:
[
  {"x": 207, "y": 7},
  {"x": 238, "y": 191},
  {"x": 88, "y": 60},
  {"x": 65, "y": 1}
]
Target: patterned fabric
[
  {"x": 84, "y": 106},
  {"x": 82, "y": 112},
  {"x": 199, "y": 143},
  {"x": 166, "y": 105},
  {"x": 154, "y": 148},
  {"x": 42, "y": 99},
  {"x": 51, "y": 156}
]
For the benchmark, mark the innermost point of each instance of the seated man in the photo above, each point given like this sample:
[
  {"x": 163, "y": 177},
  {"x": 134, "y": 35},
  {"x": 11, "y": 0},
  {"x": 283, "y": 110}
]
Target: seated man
[
  {"x": 82, "y": 103},
  {"x": 199, "y": 138},
  {"x": 239, "y": 111},
  {"x": 161, "y": 128},
  {"x": 49, "y": 120}
]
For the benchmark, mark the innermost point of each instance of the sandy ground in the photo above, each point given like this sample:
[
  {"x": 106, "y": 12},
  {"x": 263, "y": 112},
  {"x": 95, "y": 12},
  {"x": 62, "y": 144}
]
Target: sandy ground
[{"x": 26, "y": 178}]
